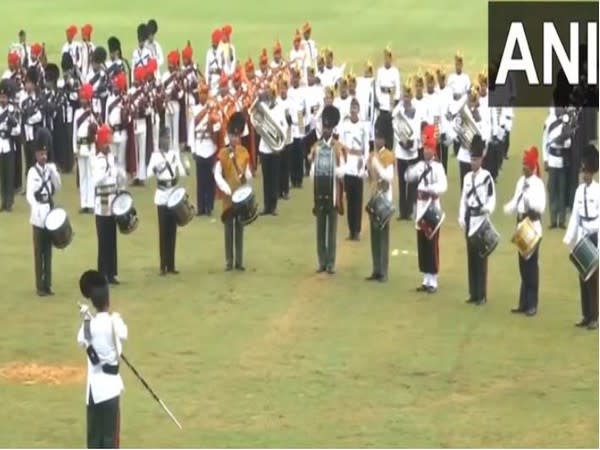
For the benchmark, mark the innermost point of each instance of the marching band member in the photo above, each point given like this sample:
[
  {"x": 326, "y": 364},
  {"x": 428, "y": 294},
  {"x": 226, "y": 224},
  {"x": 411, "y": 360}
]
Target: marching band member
[
  {"x": 87, "y": 50},
  {"x": 228, "y": 55},
  {"x": 231, "y": 171},
  {"x": 331, "y": 74},
  {"x": 212, "y": 68},
  {"x": 84, "y": 130},
  {"x": 117, "y": 117},
  {"x": 365, "y": 93},
  {"x": 264, "y": 72},
  {"x": 585, "y": 222},
  {"x": 154, "y": 47},
  {"x": 155, "y": 105},
  {"x": 529, "y": 201},
  {"x": 406, "y": 149},
  {"x": 117, "y": 63},
  {"x": 31, "y": 115},
  {"x": 98, "y": 79},
  {"x": 477, "y": 203},
  {"x": 298, "y": 113},
  {"x": 207, "y": 125},
  {"x": 313, "y": 94},
  {"x": 70, "y": 84},
  {"x": 421, "y": 104},
  {"x": 22, "y": 49},
  {"x": 354, "y": 136},
  {"x": 141, "y": 55},
  {"x": 139, "y": 104},
  {"x": 191, "y": 79},
  {"x": 166, "y": 165},
  {"x": 387, "y": 84},
  {"x": 342, "y": 102},
  {"x": 285, "y": 153},
  {"x": 269, "y": 158},
  {"x": 102, "y": 336},
  {"x": 381, "y": 174},
  {"x": 278, "y": 65},
  {"x": 444, "y": 97},
  {"x": 43, "y": 181},
  {"x": 8, "y": 121},
  {"x": 298, "y": 58},
  {"x": 310, "y": 48},
  {"x": 107, "y": 181},
  {"x": 556, "y": 143},
  {"x": 431, "y": 182},
  {"x": 72, "y": 47},
  {"x": 458, "y": 81},
  {"x": 174, "y": 93},
  {"x": 326, "y": 217}
]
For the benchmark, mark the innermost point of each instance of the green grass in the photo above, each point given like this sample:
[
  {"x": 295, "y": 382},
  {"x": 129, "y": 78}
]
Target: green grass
[{"x": 278, "y": 356}]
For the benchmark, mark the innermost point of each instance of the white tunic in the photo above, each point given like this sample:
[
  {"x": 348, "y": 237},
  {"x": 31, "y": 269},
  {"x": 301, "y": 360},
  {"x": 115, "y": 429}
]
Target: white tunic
[
  {"x": 530, "y": 195},
  {"x": 106, "y": 181},
  {"x": 479, "y": 196},
  {"x": 46, "y": 186},
  {"x": 167, "y": 167},
  {"x": 387, "y": 87},
  {"x": 355, "y": 137},
  {"x": 431, "y": 183},
  {"x": 585, "y": 215}
]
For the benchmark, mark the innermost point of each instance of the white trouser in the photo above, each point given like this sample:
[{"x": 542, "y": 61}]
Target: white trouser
[
  {"x": 140, "y": 149},
  {"x": 119, "y": 149},
  {"x": 86, "y": 182},
  {"x": 155, "y": 131},
  {"x": 172, "y": 122}
]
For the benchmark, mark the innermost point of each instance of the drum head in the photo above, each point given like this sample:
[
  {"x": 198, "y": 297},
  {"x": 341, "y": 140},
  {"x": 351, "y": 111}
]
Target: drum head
[
  {"x": 55, "y": 219},
  {"x": 241, "y": 194},
  {"x": 176, "y": 196},
  {"x": 122, "y": 204}
]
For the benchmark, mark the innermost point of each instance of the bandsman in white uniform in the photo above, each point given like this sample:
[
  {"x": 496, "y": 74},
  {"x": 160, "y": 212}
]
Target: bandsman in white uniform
[
  {"x": 431, "y": 182},
  {"x": 43, "y": 181},
  {"x": 299, "y": 113},
  {"x": 585, "y": 223},
  {"x": 529, "y": 202},
  {"x": 387, "y": 84},
  {"x": 310, "y": 47},
  {"x": 117, "y": 117},
  {"x": 213, "y": 68},
  {"x": 87, "y": 50},
  {"x": 152, "y": 44},
  {"x": 85, "y": 126},
  {"x": 444, "y": 97},
  {"x": 8, "y": 121},
  {"x": 73, "y": 47},
  {"x": 227, "y": 50},
  {"x": 173, "y": 89},
  {"x": 298, "y": 58},
  {"x": 141, "y": 55}
]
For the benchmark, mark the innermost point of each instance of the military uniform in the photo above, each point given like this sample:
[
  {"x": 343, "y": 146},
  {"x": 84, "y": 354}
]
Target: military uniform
[
  {"x": 84, "y": 121},
  {"x": 529, "y": 201},
  {"x": 8, "y": 121},
  {"x": 585, "y": 221},
  {"x": 116, "y": 118},
  {"x": 43, "y": 181},
  {"x": 32, "y": 118},
  {"x": 166, "y": 165},
  {"x": 98, "y": 79},
  {"x": 330, "y": 205},
  {"x": 102, "y": 337},
  {"x": 477, "y": 203},
  {"x": 231, "y": 169}
]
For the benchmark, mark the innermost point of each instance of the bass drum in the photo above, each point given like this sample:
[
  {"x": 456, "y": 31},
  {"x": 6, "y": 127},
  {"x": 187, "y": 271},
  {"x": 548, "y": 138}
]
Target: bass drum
[
  {"x": 324, "y": 178},
  {"x": 58, "y": 226},
  {"x": 485, "y": 239},
  {"x": 179, "y": 205},
  {"x": 124, "y": 213},
  {"x": 431, "y": 220},
  {"x": 245, "y": 207},
  {"x": 585, "y": 257},
  {"x": 380, "y": 209}
]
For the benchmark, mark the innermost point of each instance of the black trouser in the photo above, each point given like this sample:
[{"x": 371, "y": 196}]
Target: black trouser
[
  {"x": 167, "y": 236},
  {"x": 380, "y": 247},
  {"x": 18, "y": 168},
  {"x": 234, "y": 236},
  {"x": 42, "y": 252},
  {"x": 589, "y": 292},
  {"x": 326, "y": 238},
  {"x": 69, "y": 156},
  {"x": 407, "y": 192},
  {"x": 297, "y": 162},
  {"x": 530, "y": 281},
  {"x": 205, "y": 184},
  {"x": 106, "y": 230},
  {"x": 429, "y": 253},
  {"x": 463, "y": 169},
  {"x": 103, "y": 423},
  {"x": 270, "y": 173},
  {"x": 557, "y": 194},
  {"x": 506, "y": 144},
  {"x": 284, "y": 170},
  {"x": 491, "y": 159},
  {"x": 7, "y": 183},
  {"x": 353, "y": 186},
  {"x": 309, "y": 140},
  {"x": 443, "y": 152},
  {"x": 477, "y": 268}
]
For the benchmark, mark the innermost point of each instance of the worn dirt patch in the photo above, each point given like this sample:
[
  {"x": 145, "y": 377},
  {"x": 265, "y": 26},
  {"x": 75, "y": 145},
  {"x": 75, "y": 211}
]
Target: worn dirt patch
[{"x": 32, "y": 373}]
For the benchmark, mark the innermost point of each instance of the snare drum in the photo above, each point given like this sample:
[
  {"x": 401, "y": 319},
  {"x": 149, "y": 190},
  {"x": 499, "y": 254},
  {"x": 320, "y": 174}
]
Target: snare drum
[
  {"x": 58, "y": 226},
  {"x": 526, "y": 238},
  {"x": 245, "y": 207},
  {"x": 124, "y": 212},
  {"x": 485, "y": 239},
  {"x": 380, "y": 209},
  {"x": 585, "y": 257},
  {"x": 431, "y": 220},
  {"x": 178, "y": 203}
]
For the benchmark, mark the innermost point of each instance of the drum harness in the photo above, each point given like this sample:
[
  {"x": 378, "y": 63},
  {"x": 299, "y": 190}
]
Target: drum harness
[
  {"x": 474, "y": 212},
  {"x": 166, "y": 184},
  {"x": 105, "y": 191},
  {"x": 425, "y": 195},
  {"x": 45, "y": 192},
  {"x": 533, "y": 215}
]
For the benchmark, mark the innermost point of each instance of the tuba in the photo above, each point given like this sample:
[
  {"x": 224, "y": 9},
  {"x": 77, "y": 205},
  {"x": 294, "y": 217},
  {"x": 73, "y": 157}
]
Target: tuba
[
  {"x": 402, "y": 129},
  {"x": 266, "y": 127},
  {"x": 466, "y": 127}
]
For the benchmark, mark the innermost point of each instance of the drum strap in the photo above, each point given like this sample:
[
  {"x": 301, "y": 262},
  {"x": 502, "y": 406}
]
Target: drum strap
[
  {"x": 168, "y": 165},
  {"x": 82, "y": 118},
  {"x": 473, "y": 191},
  {"x": 585, "y": 207},
  {"x": 423, "y": 176},
  {"x": 44, "y": 187}
]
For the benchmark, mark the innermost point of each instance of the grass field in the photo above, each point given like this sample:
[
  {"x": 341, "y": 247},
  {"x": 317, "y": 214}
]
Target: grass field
[{"x": 279, "y": 356}]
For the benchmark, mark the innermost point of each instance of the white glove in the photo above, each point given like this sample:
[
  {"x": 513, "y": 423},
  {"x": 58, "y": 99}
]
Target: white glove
[{"x": 84, "y": 311}]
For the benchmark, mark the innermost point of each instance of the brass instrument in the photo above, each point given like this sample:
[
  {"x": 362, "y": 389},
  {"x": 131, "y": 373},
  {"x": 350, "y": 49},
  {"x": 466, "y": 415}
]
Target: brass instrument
[
  {"x": 269, "y": 130},
  {"x": 466, "y": 128},
  {"x": 403, "y": 131}
]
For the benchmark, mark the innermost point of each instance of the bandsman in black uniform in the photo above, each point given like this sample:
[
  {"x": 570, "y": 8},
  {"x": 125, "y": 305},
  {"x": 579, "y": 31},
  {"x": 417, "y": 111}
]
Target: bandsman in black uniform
[
  {"x": 43, "y": 181},
  {"x": 166, "y": 165},
  {"x": 102, "y": 337},
  {"x": 8, "y": 121},
  {"x": 31, "y": 116}
]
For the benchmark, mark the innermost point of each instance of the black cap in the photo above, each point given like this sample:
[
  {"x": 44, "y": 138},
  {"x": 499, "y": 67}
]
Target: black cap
[
  {"x": 330, "y": 116},
  {"x": 236, "y": 123},
  {"x": 384, "y": 129},
  {"x": 43, "y": 140},
  {"x": 477, "y": 146},
  {"x": 52, "y": 72},
  {"x": 113, "y": 44},
  {"x": 142, "y": 32},
  {"x": 5, "y": 88},
  {"x": 32, "y": 75},
  {"x": 94, "y": 286},
  {"x": 152, "y": 26},
  {"x": 66, "y": 61},
  {"x": 99, "y": 55},
  {"x": 589, "y": 159}
]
